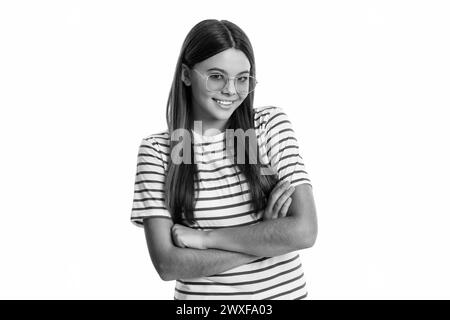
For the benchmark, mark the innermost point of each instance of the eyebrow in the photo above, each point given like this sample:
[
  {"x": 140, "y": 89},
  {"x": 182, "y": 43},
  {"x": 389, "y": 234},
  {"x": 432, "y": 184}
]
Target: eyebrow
[{"x": 221, "y": 70}]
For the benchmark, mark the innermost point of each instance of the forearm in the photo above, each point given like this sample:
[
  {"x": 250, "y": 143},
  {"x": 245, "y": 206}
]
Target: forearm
[
  {"x": 185, "y": 263},
  {"x": 268, "y": 238}
]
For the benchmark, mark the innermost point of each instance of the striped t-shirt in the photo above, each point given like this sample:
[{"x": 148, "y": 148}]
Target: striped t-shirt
[{"x": 222, "y": 200}]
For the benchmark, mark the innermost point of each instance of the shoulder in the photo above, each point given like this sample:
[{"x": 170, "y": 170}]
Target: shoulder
[
  {"x": 157, "y": 143},
  {"x": 268, "y": 115},
  {"x": 159, "y": 139}
]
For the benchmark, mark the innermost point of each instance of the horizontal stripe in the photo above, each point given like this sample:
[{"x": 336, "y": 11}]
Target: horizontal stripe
[
  {"x": 235, "y": 134},
  {"x": 211, "y": 161},
  {"x": 290, "y": 165},
  {"x": 146, "y": 199},
  {"x": 220, "y": 178},
  {"x": 258, "y": 270},
  {"x": 148, "y": 181},
  {"x": 263, "y": 114},
  {"x": 237, "y": 293},
  {"x": 223, "y": 196},
  {"x": 149, "y": 172},
  {"x": 151, "y": 156},
  {"x": 279, "y": 132},
  {"x": 230, "y": 226},
  {"x": 243, "y": 282},
  {"x": 259, "y": 275},
  {"x": 226, "y": 217},
  {"x": 164, "y": 153},
  {"x": 259, "y": 260},
  {"x": 287, "y": 122},
  {"x": 204, "y": 153},
  {"x": 223, "y": 207},
  {"x": 156, "y": 135},
  {"x": 222, "y": 187},
  {"x": 287, "y": 292},
  {"x": 290, "y": 156},
  {"x": 136, "y": 219},
  {"x": 291, "y": 173},
  {"x": 148, "y": 208},
  {"x": 282, "y": 151},
  {"x": 271, "y": 118},
  {"x": 149, "y": 190},
  {"x": 224, "y": 212},
  {"x": 150, "y": 164},
  {"x": 216, "y": 169},
  {"x": 165, "y": 146},
  {"x": 148, "y": 147},
  {"x": 279, "y": 142},
  {"x": 302, "y": 297},
  {"x": 301, "y": 180},
  {"x": 208, "y": 144}
]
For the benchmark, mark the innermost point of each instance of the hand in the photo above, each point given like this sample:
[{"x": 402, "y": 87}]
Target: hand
[
  {"x": 279, "y": 201},
  {"x": 185, "y": 237}
]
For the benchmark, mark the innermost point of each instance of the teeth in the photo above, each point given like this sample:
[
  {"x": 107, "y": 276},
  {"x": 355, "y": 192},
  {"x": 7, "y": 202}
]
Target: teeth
[{"x": 226, "y": 103}]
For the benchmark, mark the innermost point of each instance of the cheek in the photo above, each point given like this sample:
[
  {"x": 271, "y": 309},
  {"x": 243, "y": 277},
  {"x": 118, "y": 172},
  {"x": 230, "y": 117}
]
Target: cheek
[
  {"x": 199, "y": 92},
  {"x": 200, "y": 87},
  {"x": 241, "y": 99}
]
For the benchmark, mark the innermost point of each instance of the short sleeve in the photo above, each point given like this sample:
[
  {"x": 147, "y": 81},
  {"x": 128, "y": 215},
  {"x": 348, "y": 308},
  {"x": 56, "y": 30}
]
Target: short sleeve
[
  {"x": 283, "y": 149},
  {"x": 148, "y": 200}
]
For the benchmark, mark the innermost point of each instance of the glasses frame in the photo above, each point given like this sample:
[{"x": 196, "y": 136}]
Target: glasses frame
[{"x": 206, "y": 77}]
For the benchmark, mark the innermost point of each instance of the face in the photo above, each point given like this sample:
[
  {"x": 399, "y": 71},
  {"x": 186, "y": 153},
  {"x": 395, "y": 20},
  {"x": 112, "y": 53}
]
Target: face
[{"x": 214, "y": 108}]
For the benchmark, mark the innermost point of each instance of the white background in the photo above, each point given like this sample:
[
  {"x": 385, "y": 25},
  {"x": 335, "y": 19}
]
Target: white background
[{"x": 366, "y": 84}]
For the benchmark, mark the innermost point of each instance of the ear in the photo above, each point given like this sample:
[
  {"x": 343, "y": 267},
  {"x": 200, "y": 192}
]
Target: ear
[{"x": 185, "y": 74}]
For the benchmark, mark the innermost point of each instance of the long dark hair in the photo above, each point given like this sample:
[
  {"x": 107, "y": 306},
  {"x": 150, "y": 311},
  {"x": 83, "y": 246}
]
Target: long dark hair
[{"x": 208, "y": 38}]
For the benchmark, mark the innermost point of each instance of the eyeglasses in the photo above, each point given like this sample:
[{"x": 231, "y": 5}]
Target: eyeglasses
[{"x": 216, "y": 82}]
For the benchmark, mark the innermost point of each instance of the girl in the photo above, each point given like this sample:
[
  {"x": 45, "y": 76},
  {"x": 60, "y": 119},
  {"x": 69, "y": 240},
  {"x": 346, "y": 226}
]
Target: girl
[{"x": 222, "y": 217}]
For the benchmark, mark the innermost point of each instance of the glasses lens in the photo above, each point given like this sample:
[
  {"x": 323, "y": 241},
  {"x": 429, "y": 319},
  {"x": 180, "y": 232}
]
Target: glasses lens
[
  {"x": 216, "y": 82},
  {"x": 244, "y": 84}
]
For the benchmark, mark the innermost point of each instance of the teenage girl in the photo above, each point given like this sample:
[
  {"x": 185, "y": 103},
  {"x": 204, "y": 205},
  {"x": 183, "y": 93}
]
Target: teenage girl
[{"x": 223, "y": 217}]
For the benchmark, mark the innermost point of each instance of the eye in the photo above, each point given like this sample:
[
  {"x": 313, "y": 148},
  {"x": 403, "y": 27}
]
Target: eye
[
  {"x": 243, "y": 79},
  {"x": 216, "y": 76}
]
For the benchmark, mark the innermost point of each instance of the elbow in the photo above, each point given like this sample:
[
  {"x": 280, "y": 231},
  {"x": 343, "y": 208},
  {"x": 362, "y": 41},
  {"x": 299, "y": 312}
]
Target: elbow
[
  {"x": 164, "y": 269},
  {"x": 310, "y": 240},
  {"x": 165, "y": 272},
  {"x": 162, "y": 272},
  {"x": 166, "y": 276},
  {"x": 305, "y": 236}
]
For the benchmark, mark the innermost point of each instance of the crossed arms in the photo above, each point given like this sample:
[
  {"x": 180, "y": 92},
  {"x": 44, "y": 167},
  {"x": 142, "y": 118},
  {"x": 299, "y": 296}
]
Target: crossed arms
[{"x": 194, "y": 253}]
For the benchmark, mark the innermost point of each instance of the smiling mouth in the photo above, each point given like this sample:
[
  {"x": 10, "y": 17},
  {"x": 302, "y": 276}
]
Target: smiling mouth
[{"x": 225, "y": 103}]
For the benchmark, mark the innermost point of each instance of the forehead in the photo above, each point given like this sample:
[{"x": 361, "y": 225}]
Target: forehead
[{"x": 233, "y": 61}]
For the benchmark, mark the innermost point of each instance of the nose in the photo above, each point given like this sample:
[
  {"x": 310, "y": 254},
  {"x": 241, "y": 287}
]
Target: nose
[{"x": 230, "y": 87}]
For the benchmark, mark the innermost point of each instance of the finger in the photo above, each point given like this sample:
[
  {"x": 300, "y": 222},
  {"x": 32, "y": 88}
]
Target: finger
[
  {"x": 276, "y": 193},
  {"x": 175, "y": 230},
  {"x": 268, "y": 215},
  {"x": 176, "y": 240},
  {"x": 281, "y": 200},
  {"x": 284, "y": 209},
  {"x": 278, "y": 189}
]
